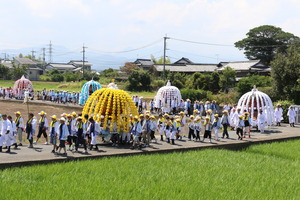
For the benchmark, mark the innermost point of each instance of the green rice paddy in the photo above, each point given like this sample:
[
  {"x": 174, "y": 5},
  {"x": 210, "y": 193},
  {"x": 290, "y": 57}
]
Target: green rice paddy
[{"x": 269, "y": 171}]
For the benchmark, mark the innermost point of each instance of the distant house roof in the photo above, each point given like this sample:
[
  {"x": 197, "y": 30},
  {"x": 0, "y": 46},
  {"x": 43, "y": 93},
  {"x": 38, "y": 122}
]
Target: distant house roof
[
  {"x": 189, "y": 68},
  {"x": 7, "y": 64},
  {"x": 143, "y": 62},
  {"x": 25, "y": 61},
  {"x": 60, "y": 66},
  {"x": 245, "y": 65},
  {"x": 183, "y": 61},
  {"x": 80, "y": 63}
]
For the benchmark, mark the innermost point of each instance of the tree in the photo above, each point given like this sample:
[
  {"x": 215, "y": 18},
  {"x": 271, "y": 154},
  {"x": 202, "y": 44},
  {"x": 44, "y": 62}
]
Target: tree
[
  {"x": 261, "y": 42},
  {"x": 285, "y": 72},
  {"x": 215, "y": 82},
  {"x": 18, "y": 71},
  {"x": 227, "y": 79},
  {"x": 160, "y": 60},
  {"x": 4, "y": 72},
  {"x": 177, "y": 79},
  {"x": 139, "y": 80},
  {"x": 129, "y": 67}
]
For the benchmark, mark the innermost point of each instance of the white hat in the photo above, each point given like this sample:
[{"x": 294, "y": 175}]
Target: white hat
[{"x": 62, "y": 119}]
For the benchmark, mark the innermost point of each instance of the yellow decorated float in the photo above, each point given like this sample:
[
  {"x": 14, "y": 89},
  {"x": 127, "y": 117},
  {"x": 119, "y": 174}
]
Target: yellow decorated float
[{"x": 111, "y": 106}]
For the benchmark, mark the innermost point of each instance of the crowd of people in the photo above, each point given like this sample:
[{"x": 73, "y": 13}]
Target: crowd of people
[
  {"x": 71, "y": 131},
  {"x": 59, "y": 96}
]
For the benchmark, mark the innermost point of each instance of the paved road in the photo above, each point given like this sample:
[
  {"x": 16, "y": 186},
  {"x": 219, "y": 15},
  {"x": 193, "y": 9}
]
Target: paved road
[{"x": 42, "y": 153}]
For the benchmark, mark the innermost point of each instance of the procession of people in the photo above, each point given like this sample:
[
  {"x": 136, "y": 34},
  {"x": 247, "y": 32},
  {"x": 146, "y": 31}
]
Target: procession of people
[{"x": 68, "y": 132}]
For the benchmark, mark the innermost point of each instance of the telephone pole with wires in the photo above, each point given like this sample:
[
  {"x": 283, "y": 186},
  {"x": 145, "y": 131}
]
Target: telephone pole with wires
[
  {"x": 83, "y": 59},
  {"x": 50, "y": 52},
  {"x": 165, "y": 49}
]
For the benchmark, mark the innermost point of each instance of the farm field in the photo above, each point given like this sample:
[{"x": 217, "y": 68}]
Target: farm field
[
  {"x": 269, "y": 171},
  {"x": 70, "y": 86}
]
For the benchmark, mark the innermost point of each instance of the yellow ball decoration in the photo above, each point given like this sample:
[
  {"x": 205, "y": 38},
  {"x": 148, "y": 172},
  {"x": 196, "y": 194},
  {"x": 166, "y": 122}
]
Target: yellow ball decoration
[{"x": 111, "y": 103}]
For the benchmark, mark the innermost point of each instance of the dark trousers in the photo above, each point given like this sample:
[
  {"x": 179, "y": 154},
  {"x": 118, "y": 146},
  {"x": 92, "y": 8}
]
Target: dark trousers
[
  {"x": 239, "y": 132},
  {"x": 225, "y": 132},
  {"x": 191, "y": 133},
  {"x": 152, "y": 136},
  {"x": 42, "y": 131},
  {"x": 80, "y": 140},
  {"x": 207, "y": 134},
  {"x": 197, "y": 134},
  {"x": 115, "y": 138}
]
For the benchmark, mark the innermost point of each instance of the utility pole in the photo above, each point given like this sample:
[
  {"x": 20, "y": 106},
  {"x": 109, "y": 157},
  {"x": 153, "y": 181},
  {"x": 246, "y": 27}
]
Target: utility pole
[
  {"x": 44, "y": 59},
  {"x": 4, "y": 56},
  {"x": 50, "y": 52},
  {"x": 83, "y": 59},
  {"x": 165, "y": 49},
  {"x": 32, "y": 54}
]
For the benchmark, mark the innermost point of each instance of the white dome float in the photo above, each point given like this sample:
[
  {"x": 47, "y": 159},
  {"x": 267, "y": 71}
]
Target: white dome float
[
  {"x": 254, "y": 101},
  {"x": 165, "y": 95},
  {"x": 87, "y": 90}
]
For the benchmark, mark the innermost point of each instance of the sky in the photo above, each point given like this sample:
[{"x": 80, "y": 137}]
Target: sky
[{"x": 109, "y": 27}]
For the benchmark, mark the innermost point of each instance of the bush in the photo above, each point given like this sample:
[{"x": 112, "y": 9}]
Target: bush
[
  {"x": 195, "y": 94},
  {"x": 285, "y": 106},
  {"x": 156, "y": 84},
  {"x": 222, "y": 98},
  {"x": 44, "y": 78},
  {"x": 57, "y": 78}
]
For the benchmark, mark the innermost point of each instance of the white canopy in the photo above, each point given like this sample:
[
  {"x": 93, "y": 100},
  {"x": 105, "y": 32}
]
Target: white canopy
[
  {"x": 254, "y": 101},
  {"x": 166, "y": 94}
]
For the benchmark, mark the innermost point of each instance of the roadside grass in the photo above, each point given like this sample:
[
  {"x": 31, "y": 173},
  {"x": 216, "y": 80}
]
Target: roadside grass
[{"x": 269, "y": 171}]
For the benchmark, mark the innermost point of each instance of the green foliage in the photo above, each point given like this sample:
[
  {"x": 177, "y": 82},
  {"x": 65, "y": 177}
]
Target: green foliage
[
  {"x": 57, "y": 77},
  {"x": 4, "y": 72},
  {"x": 156, "y": 84},
  {"x": 139, "y": 80},
  {"x": 111, "y": 73},
  {"x": 285, "y": 106},
  {"x": 195, "y": 94},
  {"x": 18, "y": 71},
  {"x": 222, "y": 98},
  {"x": 285, "y": 73},
  {"x": 246, "y": 84},
  {"x": 177, "y": 79},
  {"x": 214, "y": 84},
  {"x": 268, "y": 171},
  {"x": 204, "y": 81},
  {"x": 227, "y": 79},
  {"x": 261, "y": 42},
  {"x": 44, "y": 78},
  {"x": 160, "y": 60}
]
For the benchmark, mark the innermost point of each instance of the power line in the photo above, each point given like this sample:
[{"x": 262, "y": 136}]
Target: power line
[{"x": 126, "y": 51}]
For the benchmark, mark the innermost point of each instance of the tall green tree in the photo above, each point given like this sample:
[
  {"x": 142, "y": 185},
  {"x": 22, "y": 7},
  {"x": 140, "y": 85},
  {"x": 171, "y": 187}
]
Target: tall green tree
[
  {"x": 227, "y": 79},
  {"x": 4, "y": 71},
  {"x": 177, "y": 79},
  {"x": 286, "y": 75},
  {"x": 261, "y": 42},
  {"x": 139, "y": 80}
]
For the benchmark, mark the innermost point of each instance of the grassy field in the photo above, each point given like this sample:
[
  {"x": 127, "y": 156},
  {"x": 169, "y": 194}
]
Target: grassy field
[
  {"x": 268, "y": 171},
  {"x": 69, "y": 86}
]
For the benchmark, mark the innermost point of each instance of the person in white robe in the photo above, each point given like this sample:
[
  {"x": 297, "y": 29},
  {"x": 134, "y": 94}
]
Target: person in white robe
[
  {"x": 278, "y": 114},
  {"x": 261, "y": 119},
  {"x": 292, "y": 116}
]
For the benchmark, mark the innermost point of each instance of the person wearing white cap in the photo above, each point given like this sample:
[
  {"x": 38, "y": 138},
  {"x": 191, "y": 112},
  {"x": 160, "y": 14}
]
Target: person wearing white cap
[
  {"x": 19, "y": 126},
  {"x": 5, "y": 133},
  {"x": 53, "y": 132},
  {"x": 43, "y": 126},
  {"x": 63, "y": 133},
  {"x": 292, "y": 115},
  {"x": 13, "y": 134}
]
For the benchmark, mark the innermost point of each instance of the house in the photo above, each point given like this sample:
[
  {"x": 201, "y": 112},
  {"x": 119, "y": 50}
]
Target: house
[
  {"x": 61, "y": 67},
  {"x": 185, "y": 65},
  {"x": 34, "y": 68},
  {"x": 145, "y": 64},
  {"x": 79, "y": 64},
  {"x": 243, "y": 68}
]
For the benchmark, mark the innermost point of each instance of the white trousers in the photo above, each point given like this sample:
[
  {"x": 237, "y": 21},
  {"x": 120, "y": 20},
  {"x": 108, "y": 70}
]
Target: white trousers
[
  {"x": 161, "y": 130},
  {"x": 94, "y": 139},
  {"x": 216, "y": 131},
  {"x": 168, "y": 134},
  {"x": 261, "y": 127},
  {"x": 5, "y": 139},
  {"x": 291, "y": 119},
  {"x": 173, "y": 133},
  {"x": 124, "y": 135}
]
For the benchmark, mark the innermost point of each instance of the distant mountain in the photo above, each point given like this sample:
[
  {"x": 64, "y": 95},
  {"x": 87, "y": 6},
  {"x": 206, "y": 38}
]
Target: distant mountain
[{"x": 61, "y": 54}]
